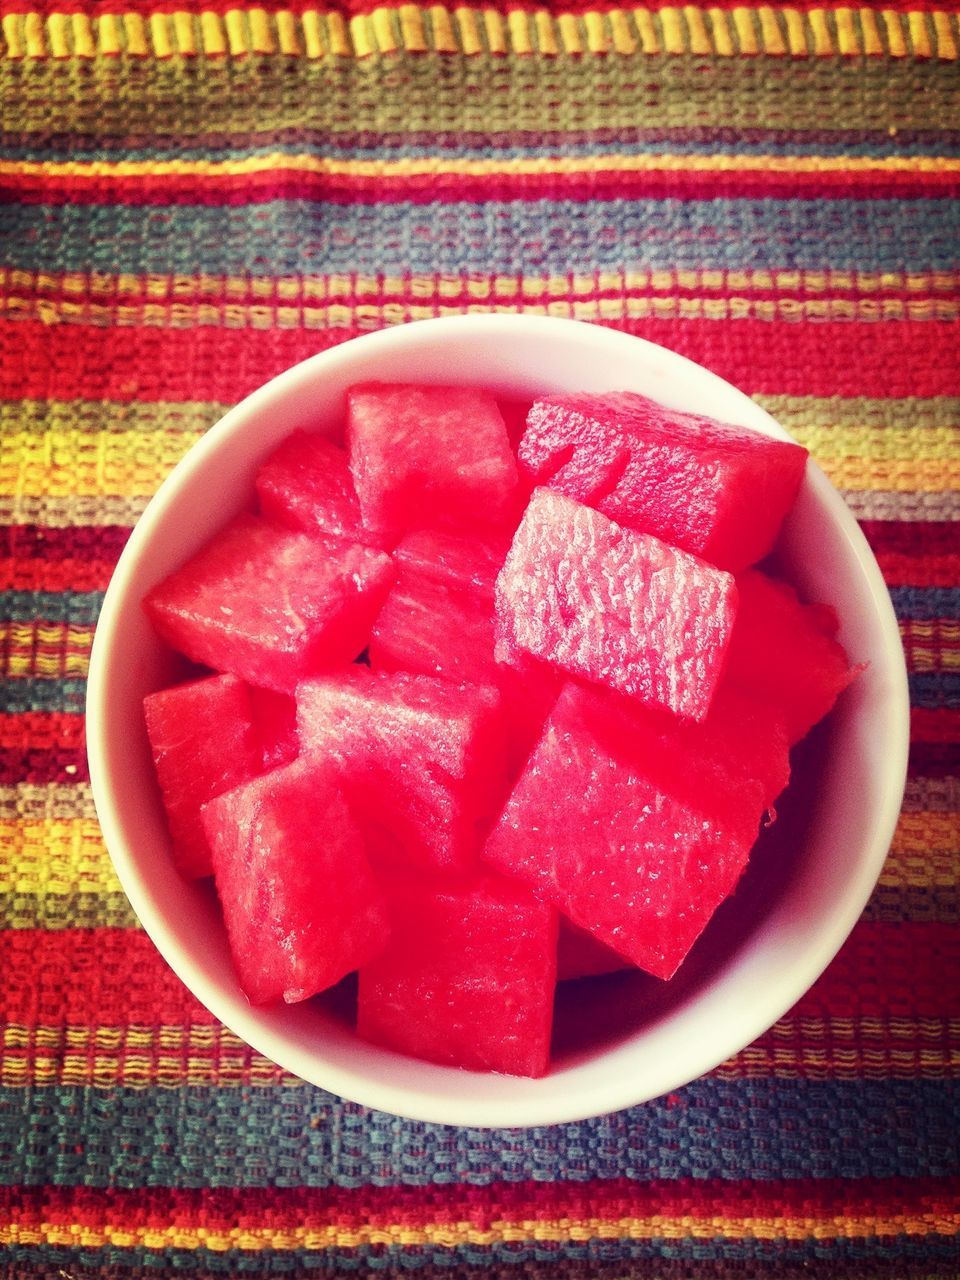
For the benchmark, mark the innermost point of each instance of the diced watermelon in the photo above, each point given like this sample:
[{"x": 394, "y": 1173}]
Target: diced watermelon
[
  {"x": 515, "y": 416},
  {"x": 581, "y": 955},
  {"x": 716, "y": 490},
  {"x": 301, "y": 904},
  {"x": 271, "y": 605},
  {"x": 421, "y": 758},
  {"x": 624, "y": 831},
  {"x": 275, "y": 721},
  {"x": 429, "y": 456},
  {"x": 306, "y": 484},
  {"x": 194, "y": 765},
  {"x": 455, "y": 560},
  {"x": 786, "y": 653},
  {"x": 615, "y": 607},
  {"x": 467, "y": 978}
]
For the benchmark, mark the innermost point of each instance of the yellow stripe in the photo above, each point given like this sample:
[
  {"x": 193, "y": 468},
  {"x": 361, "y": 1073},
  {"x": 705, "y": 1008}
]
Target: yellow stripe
[
  {"x": 89, "y": 464},
  {"x": 473, "y": 30},
  {"x": 55, "y": 856},
  {"x": 47, "y": 650},
  {"x": 881, "y": 445},
  {"x": 724, "y": 162}
]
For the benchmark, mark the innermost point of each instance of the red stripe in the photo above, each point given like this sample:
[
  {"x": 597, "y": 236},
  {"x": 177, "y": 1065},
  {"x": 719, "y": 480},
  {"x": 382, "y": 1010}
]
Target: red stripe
[
  {"x": 910, "y": 358},
  {"x": 911, "y": 537},
  {"x": 290, "y": 184},
  {"x": 287, "y": 1208},
  {"x": 920, "y": 570},
  {"x": 107, "y": 977},
  {"x": 78, "y": 558},
  {"x": 42, "y": 748}
]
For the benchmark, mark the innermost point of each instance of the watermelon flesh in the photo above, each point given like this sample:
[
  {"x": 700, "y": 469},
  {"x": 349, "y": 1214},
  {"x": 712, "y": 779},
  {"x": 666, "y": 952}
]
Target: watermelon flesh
[
  {"x": 420, "y": 759},
  {"x": 631, "y": 837},
  {"x": 301, "y": 905},
  {"x": 193, "y": 765},
  {"x": 614, "y": 607},
  {"x": 786, "y": 653},
  {"x": 275, "y": 722},
  {"x": 271, "y": 605},
  {"x": 718, "y": 491},
  {"x": 581, "y": 955},
  {"x": 429, "y": 456},
  {"x": 467, "y": 978},
  {"x": 306, "y": 484}
]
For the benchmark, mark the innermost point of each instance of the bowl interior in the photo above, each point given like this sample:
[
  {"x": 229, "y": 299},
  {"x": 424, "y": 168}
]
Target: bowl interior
[{"x": 619, "y": 1041}]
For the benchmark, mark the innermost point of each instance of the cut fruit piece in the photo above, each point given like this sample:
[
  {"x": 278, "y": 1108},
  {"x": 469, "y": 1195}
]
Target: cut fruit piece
[
  {"x": 275, "y": 721},
  {"x": 428, "y": 456},
  {"x": 271, "y": 605},
  {"x": 633, "y": 838},
  {"x": 616, "y": 607},
  {"x": 421, "y": 759},
  {"x": 301, "y": 904},
  {"x": 467, "y": 978},
  {"x": 581, "y": 955},
  {"x": 193, "y": 765},
  {"x": 713, "y": 489},
  {"x": 306, "y": 484},
  {"x": 786, "y": 654}
]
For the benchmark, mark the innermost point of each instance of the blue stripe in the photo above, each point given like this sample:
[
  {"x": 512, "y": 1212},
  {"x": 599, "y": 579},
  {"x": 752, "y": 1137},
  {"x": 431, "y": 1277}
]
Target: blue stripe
[
  {"x": 310, "y": 238},
  {"x": 79, "y": 607},
  {"x": 20, "y": 696},
  {"x": 301, "y": 1136},
  {"x": 935, "y": 689},
  {"x": 924, "y": 604}
]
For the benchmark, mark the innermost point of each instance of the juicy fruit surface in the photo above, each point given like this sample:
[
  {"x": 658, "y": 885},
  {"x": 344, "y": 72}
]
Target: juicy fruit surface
[
  {"x": 615, "y": 607},
  {"x": 718, "y": 491},
  {"x": 786, "y": 652},
  {"x": 618, "y": 828},
  {"x": 271, "y": 605},
  {"x": 301, "y": 912},
  {"x": 467, "y": 978},
  {"x": 306, "y": 484},
  {"x": 437, "y": 450},
  {"x": 193, "y": 765},
  {"x": 420, "y": 758}
]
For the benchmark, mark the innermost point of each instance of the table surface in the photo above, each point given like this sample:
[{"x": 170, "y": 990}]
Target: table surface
[{"x": 194, "y": 196}]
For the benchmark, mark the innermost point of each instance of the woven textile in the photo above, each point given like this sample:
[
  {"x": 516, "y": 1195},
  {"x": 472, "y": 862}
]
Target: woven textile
[{"x": 195, "y": 195}]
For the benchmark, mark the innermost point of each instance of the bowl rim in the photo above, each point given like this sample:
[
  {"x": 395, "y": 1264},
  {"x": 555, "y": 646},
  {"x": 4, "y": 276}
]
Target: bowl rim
[{"x": 525, "y": 1107}]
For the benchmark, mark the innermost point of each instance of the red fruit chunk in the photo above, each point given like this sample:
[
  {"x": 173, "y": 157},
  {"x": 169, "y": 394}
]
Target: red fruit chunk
[
  {"x": 467, "y": 978},
  {"x": 300, "y": 901},
  {"x": 306, "y": 484},
  {"x": 420, "y": 758},
  {"x": 580, "y": 955},
  {"x": 275, "y": 721},
  {"x": 271, "y": 605},
  {"x": 786, "y": 653},
  {"x": 192, "y": 764},
  {"x": 716, "y": 490},
  {"x": 615, "y": 607},
  {"x": 428, "y": 456},
  {"x": 632, "y": 837}
]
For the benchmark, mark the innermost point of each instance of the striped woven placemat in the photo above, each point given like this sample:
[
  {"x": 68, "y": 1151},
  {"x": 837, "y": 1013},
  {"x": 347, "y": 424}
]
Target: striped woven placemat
[{"x": 193, "y": 197}]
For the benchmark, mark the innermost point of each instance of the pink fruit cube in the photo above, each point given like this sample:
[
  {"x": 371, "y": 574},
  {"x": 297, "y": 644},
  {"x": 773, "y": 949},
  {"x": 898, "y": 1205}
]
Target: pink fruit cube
[
  {"x": 428, "y": 456},
  {"x": 420, "y": 758},
  {"x": 193, "y": 765},
  {"x": 306, "y": 484},
  {"x": 614, "y": 607},
  {"x": 713, "y": 489},
  {"x": 467, "y": 978},
  {"x": 626, "y": 830},
  {"x": 271, "y": 605},
  {"x": 275, "y": 722},
  {"x": 300, "y": 901}
]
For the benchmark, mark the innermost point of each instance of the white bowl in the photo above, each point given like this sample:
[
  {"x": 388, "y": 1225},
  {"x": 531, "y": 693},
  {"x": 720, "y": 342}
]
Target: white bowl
[{"x": 626, "y": 1039}]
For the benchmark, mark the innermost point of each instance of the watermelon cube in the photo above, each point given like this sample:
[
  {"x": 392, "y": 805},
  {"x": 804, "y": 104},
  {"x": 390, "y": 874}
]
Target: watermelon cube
[
  {"x": 467, "y": 978},
  {"x": 631, "y": 835},
  {"x": 786, "y": 652},
  {"x": 301, "y": 904},
  {"x": 581, "y": 955},
  {"x": 271, "y": 605},
  {"x": 306, "y": 484},
  {"x": 716, "y": 490},
  {"x": 428, "y": 456},
  {"x": 275, "y": 722},
  {"x": 193, "y": 765},
  {"x": 615, "y": 607},
  {"x": 420, "y": 759}
]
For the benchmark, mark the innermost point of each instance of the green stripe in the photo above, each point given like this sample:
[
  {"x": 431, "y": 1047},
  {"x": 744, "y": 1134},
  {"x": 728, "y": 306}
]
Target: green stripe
[
  {"x": 40, "y": 416},
  {"x": 477, "y": 94}
]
